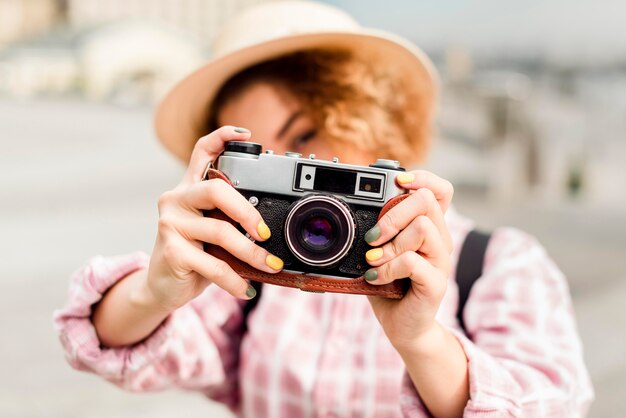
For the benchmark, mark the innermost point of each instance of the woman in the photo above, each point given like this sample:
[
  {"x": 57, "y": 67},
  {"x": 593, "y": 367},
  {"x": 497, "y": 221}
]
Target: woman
[{"x": 320, "y": 84}]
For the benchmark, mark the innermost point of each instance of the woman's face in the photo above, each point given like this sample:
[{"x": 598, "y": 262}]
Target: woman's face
[{"x": 278, "y": 122}]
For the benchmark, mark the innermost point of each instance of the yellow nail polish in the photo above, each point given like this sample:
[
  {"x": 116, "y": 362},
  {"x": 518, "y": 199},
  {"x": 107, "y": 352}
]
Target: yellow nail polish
[
  {"x": 263, "y": 230},
  {"x": 405, "y": 178},
  {"x": 274, "y": 262},
  {"x": 374, "y": 254}
]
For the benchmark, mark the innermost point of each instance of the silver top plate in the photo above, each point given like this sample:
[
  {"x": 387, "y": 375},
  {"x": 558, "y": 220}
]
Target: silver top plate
[{"x": 271, "y": 173}]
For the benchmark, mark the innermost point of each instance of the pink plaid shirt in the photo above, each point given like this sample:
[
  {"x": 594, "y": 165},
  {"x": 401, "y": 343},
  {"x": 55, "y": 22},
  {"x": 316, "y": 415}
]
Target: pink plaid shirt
[{"x": 325, "y": 355}]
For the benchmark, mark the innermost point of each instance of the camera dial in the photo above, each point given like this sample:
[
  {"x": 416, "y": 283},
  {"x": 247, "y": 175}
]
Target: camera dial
[
  {"x": 388, "y": 164},
  {"x": 244, "y": 147}
]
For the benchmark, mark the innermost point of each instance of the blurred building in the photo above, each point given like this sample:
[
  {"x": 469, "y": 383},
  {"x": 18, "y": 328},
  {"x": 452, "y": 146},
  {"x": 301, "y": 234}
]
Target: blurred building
[
  {"x": 201, "y": 19},
  {"x": 21, "y": 19},
  {"x": 126, "y": 62},
  {"x": 527, "y": 129},
  {"x": 118, "y": 50}
]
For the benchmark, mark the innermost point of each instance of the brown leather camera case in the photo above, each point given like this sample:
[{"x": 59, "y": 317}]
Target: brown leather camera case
[{"x": 359, "y": 285}]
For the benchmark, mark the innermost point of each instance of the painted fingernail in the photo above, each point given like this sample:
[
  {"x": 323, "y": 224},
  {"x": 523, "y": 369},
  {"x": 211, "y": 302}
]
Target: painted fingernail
[
  {"x": 374, "y": 254},
  {"x": 274, "y": 262},
  {"x": 373, "y": 234},
  {"x": 242, "y": 130},
  {"x": 404, "y": 178},
  {"x": 263, "y": 230},
  {"x": 250, "y": 292},
  {"x": 371, "y": 275}
]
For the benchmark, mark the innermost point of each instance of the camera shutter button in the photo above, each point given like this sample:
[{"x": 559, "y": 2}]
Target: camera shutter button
[{"x": 293, "y": 154}]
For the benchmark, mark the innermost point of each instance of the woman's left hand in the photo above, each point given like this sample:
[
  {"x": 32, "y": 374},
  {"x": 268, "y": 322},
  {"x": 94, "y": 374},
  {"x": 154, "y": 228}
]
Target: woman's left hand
[{"x": 412, "y": 240}]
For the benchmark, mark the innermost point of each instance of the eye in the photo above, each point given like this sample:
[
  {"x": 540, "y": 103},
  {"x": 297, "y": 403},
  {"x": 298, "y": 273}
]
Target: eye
[{"x": 302, "y": 139}]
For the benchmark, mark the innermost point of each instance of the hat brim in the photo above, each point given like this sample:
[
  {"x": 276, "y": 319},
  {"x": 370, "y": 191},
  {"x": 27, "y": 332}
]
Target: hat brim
[{"x": 182, "y": 117}]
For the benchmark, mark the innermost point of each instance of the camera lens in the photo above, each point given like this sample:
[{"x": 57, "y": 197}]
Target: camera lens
[
  {"x": 319, "y": 230},
  {"x": 317, "y": 233}
]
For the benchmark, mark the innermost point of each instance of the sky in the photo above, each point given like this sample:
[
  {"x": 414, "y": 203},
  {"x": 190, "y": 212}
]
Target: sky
[{"x": 577, "y": 30}]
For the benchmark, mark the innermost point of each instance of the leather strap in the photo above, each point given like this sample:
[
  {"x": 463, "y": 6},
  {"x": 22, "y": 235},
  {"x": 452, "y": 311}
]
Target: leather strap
[
  {"x": 310, "y": 283},
  {"x": 470, "y": 267}
]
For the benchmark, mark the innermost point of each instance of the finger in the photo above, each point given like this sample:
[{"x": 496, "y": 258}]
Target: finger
[
  {"x": 216, "y": 193},
  {"x": 225, "y": 235},
  {"x": 209, "y": 147},
  {"x": 429, "y": 279},
  {"x": 422, "y": 202},
  {"x": 441, "y": 188},
  {"x": 218, "y": 272},
  {"x": 420, "y": 235}
]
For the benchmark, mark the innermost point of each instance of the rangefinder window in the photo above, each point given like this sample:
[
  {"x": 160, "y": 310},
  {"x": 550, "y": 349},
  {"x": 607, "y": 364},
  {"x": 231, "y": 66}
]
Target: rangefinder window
[
  {"x": 369, "y": 184},
  {"x": 325, "y": 179}
]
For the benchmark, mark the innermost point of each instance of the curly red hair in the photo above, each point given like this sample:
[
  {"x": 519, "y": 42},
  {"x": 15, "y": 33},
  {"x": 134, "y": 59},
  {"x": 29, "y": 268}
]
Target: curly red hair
[{"x": 353, "y": 101}]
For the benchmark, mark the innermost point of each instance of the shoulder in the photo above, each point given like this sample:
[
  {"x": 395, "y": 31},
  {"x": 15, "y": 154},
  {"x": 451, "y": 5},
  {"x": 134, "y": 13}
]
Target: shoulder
[
  {"x": 521, "y": 288},
  {"x": 506, "y": 245},
  {"x": 512, "y": 248},
  {"x": 516, "y": 253},
  {"x": 519, "y": 270},
  {"x": 515, "y": 261}
]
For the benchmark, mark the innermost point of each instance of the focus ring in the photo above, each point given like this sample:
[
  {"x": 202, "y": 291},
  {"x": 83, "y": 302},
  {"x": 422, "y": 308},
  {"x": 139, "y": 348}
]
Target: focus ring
[{"x": 327, "y": 204}]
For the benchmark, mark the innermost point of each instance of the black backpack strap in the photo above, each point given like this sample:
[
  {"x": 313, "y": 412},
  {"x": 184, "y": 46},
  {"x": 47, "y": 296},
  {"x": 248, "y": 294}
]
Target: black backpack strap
[
  {"x": 251, "y": 304},
  {"x": 470, "y": 267}
]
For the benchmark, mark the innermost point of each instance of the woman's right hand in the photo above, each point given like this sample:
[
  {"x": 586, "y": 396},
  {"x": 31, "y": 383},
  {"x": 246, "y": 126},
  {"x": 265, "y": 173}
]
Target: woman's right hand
[{"x": 179, "y": 268}]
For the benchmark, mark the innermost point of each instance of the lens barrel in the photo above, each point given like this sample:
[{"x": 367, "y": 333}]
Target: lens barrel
[{"x": 319, "y": 230}]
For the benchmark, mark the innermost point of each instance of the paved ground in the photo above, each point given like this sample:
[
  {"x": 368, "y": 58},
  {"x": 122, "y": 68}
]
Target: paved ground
[{"x": 80, "y": 179}]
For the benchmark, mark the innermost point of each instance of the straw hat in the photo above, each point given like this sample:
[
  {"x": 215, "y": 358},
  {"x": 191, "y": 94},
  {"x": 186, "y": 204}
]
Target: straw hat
[{"x": 267, "y": 31}]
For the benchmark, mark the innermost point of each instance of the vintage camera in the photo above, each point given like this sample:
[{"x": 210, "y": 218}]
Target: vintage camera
[{"x": 318, "y": 211}]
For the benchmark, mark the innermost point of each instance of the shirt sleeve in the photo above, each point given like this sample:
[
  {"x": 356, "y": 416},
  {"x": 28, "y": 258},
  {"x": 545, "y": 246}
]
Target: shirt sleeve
[
  {"x": 196, "y": 347},
  {"x": 524, "y": 353}
]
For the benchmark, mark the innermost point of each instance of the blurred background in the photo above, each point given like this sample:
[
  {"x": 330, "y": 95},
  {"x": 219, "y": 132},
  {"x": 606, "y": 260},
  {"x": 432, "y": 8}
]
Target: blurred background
[{"x": 531, "y": 131}]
